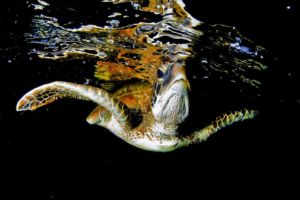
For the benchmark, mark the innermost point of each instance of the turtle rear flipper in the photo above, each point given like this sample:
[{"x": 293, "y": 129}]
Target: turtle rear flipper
[{"x": 100, "y": 116}]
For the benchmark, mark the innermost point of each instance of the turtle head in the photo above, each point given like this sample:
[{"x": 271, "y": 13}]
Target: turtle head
[{"x": 171, "y": 104}]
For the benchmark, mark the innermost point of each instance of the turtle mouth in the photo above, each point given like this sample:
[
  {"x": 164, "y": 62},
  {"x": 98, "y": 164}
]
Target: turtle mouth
[
  {"x": 178, "y": 85},
  {"x": 174, "y": 79}
]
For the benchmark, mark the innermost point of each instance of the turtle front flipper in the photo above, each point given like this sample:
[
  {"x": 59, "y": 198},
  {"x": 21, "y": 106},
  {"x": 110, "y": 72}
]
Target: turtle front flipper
[{"x": 51, "y": 92}]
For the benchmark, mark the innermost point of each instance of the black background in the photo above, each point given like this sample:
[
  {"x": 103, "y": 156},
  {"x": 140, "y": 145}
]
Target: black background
[{"x": 54, "y": 147}]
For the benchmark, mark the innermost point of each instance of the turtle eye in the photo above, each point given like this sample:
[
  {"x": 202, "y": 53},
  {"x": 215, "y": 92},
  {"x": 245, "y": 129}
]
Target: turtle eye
[{"x": 160, "y": 74}]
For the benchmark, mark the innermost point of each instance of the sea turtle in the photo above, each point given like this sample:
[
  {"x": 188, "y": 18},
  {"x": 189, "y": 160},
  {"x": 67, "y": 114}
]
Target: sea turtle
[
  {"x": 147, "y": 111},
  {"x": 157, "y": 130}
]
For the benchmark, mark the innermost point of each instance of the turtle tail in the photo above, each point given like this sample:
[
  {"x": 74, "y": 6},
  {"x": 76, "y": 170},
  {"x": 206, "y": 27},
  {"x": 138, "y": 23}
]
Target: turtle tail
[{"x": 219, "y": 123}]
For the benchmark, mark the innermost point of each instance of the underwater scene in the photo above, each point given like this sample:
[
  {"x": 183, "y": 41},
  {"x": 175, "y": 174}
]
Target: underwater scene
[{"x": 91, "y": 85}]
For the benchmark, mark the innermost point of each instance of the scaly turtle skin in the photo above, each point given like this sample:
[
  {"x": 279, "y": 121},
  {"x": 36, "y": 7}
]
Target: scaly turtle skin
[
  {"x": 159, "y": 93},
  {"x": 157, "y": 131}
]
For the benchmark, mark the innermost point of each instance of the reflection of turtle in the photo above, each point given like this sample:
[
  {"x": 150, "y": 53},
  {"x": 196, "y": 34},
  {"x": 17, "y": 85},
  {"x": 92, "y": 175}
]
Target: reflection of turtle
[{"x": 147, "y": 111}]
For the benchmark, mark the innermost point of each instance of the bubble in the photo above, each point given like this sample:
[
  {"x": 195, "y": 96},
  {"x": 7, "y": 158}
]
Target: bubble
[{"x": 114, "y": 23}]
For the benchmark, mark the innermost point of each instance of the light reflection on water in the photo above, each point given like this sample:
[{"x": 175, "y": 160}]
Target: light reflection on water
[
  {"x": 151, "y": 54},
  {"x": 138, "y": 50}
]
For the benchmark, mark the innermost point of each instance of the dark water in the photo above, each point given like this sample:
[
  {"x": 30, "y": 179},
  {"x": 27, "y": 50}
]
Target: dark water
[{"x": 56, "y": 146}]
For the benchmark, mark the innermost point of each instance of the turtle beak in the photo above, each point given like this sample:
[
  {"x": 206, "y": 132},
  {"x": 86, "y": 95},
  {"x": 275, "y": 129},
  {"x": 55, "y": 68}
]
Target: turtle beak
[{"x": 175, "y": 74}]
